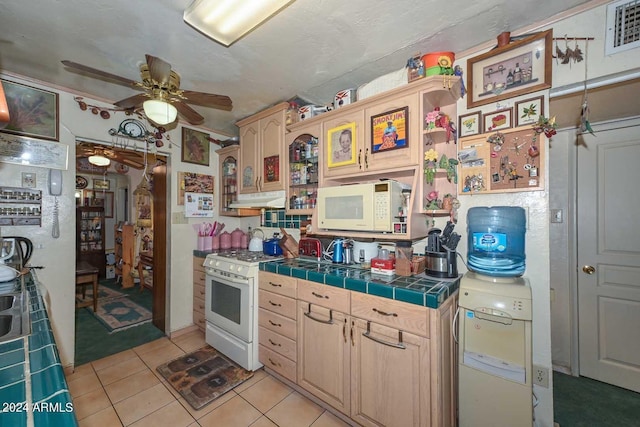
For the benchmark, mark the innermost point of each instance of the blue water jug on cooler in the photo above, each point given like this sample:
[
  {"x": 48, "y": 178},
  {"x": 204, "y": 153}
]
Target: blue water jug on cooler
[{"x": 496, "y": 240}]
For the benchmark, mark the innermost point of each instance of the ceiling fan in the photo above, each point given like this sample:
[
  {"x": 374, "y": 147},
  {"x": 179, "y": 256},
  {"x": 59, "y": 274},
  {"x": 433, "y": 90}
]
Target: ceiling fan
[
  {"x": 132, "y": 158},
  {"x": 159, "y": 83}
]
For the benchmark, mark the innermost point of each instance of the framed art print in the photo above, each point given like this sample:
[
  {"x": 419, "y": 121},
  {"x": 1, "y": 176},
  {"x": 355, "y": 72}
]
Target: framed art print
[
  {"x": 528, "y": 110},
  {"x": 469, "y": 124},
  {"x": 520, "y": 67},
  {"x": 195, "y": 147},
  {"x": 32, "y": 112},
  {"x": 390, "y": 130},
  {"x": 497, "y": 120},
  {"x": 341, "y": 145},
  {"x": 101, "y": 184}
]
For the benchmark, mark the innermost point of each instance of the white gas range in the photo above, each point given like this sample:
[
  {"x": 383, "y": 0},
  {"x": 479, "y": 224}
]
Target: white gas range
[{"x": 231, "y": 304}]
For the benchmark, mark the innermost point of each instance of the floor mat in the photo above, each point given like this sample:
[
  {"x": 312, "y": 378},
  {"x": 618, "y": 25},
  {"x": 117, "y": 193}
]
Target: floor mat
[
  {"x": 203, "y": 376},
  {"x": 103, "y": 293},
  {"x": 118, "y": 314}
]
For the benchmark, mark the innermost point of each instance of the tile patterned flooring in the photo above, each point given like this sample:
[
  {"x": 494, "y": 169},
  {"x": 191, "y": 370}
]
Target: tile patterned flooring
[{"x": 126, "y": 390}]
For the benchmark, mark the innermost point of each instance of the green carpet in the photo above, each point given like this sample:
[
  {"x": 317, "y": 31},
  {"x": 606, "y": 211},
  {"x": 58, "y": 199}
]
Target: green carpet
[
  {"x": 94, "y": 341},
  {"x": 579, "y": 401}
]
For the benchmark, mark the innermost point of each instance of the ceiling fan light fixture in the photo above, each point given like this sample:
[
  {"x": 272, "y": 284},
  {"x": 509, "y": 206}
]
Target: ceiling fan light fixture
[
  {"x": 229, "y": 20},
  {"x": 99, "y": 160},
  {"x": 160, "y": 112}
]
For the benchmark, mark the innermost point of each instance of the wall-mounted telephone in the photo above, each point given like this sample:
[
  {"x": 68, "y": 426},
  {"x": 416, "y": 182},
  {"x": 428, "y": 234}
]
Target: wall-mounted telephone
[
  {"x": 55, "y": 182},
  {"x": 55, "y": 189}
]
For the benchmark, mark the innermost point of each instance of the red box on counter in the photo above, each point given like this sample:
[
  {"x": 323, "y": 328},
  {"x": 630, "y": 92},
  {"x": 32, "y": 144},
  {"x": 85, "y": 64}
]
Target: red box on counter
[{"x": 383, "y": 266}]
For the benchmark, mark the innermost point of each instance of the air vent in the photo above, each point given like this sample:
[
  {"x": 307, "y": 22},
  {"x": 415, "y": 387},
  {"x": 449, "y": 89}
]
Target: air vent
[{"x": 623, "y": 26}]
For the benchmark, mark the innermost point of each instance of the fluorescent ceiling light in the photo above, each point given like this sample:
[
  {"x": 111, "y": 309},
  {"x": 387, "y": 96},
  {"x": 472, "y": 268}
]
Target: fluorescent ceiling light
[
  {"x": 99, "y": 160},
  {"x": 225, "y": 21},
  {"x": 160, "y": 112}
]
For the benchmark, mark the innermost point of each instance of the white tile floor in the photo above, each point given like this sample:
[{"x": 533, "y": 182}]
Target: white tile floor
[{"x": 126, "y": 390}]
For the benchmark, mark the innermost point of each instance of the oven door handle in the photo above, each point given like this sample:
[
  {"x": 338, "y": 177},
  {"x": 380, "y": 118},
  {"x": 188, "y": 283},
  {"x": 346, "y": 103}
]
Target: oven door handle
[{"x": 227, "y": 279}]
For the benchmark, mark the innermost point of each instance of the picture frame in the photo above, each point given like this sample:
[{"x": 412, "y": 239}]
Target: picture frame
[
  {"x": 470, "y": 124},
  {"x": 104, "y": 199},
  {"x": 190, "y": 182},
  {"x": 341, "y": 145},
  {"x": 33, "y": 112},
  {"x": 390, "y": 130},
  {"x": 501, "y": 119},
  {"x": 28, "y": 180},
  {"x": 101, "y": 184},
  {"x": 195, "y": 147},
  {"x": 529, "y": 58},
  {"x": 529, "y": 110}
]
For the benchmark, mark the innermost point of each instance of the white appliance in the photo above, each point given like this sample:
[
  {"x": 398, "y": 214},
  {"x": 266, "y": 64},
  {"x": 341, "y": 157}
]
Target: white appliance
[
  {"x": 372, "y": 206},
  {"x": 494, "y": 358},
  {"x": 231, "y": 305}
]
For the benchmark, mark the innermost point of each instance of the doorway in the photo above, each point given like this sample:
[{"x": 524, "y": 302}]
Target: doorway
[
  {"x": 123, "y": 181},
  {"x": 608, "y": 256}
]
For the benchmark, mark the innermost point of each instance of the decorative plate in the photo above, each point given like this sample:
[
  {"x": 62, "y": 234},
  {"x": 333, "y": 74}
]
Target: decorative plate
[
  {"x": 81, "y": 182},
  {"x": 120, "y": 168}
]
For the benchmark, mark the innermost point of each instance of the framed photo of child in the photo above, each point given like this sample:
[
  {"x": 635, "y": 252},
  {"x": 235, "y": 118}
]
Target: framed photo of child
[{"x": 341, "y": 147}]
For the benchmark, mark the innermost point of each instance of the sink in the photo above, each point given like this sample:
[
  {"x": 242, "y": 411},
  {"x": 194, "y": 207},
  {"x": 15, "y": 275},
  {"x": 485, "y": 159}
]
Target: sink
[
  {"x": 6, "y": 302},
  {"x": 6, "y": 322}
]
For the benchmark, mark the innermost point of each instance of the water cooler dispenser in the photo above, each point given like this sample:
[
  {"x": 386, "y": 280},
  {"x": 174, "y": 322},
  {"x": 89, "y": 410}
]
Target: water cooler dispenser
[{"x": 494, "y": 323}]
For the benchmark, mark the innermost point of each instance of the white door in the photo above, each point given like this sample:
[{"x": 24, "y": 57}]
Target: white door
[{"x": 608, "y": 217}]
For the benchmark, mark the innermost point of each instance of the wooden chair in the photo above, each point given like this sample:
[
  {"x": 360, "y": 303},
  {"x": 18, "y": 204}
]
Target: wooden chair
[
  {"x": 87, "y": 274},
  {"x": 145, "y": 265}
]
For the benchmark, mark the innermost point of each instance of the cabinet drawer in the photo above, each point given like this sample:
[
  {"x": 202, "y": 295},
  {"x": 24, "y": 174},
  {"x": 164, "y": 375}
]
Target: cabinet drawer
[
  {"x": 283, "y": 285},
  {"x": 199, "y": 320},
  {"x": 278, "y": 343},
  {"x": 198, "y": 304},
  {"x": 197, "y": 263},
  {"x": 396, "y": 314},
  {"x": 278, "y": 304},
  {"x": 278, "y": 363},
  {"x": 324, "y": 295},
  {"x": 198, "y": 291},
  {"x": 275, "y": 322},
  {"x": 199, "y": 277}
]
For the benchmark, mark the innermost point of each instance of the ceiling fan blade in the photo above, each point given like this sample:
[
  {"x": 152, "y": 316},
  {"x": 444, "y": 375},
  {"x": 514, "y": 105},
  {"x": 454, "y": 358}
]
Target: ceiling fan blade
[
  {"x": 159, "y": 69},
  {"x": 134, "y": 164},
  {"x": 100, "y": 74},
  {"x": 190, "y": 115},
  {"x": 132, "y": 101},
  {"x": 221, "y": 102}
]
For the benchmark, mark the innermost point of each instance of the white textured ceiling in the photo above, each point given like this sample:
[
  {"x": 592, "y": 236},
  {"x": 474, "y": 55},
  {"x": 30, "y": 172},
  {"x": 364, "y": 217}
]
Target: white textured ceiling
[{"x": 312, "y": 49}]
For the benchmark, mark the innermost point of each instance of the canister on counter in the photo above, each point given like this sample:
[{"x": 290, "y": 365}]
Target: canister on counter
[
  {"x": 344, "y": 97},
  {"x": 404, "y": 258}
]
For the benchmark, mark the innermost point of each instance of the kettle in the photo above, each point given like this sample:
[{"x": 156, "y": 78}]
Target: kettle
[
  {"x": 272, "y": 246},
  {"x": 25, "y": 246},
  {"x": 255, "y": 245}
]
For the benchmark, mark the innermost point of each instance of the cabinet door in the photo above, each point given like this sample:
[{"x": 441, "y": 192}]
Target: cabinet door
[
  {"x": 395, "y": 157},
  {"x": 302, "y": 168},
  {"x": 272, "y": 174},
  {"x": 249, "y": 146},
  {"x": 331, "y": 142},
  {"x": 228, "y": 169},
  {"x": 323, "y": 354},
  {"x": 390, "y": 377}
]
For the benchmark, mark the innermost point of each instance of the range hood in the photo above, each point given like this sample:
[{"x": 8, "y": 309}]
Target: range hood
[{"x": 273, "y": 199}]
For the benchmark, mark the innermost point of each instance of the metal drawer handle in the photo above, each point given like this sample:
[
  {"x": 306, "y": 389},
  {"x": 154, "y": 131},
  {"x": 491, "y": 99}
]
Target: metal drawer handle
[
  {"x": 274, "y": 363},
  {"x": 277, "y": 285},
  {"x": 399, "y": 345},
  {"x": 384, "y": 313},
  {"x": 275, "y": 304},
  {"x": 319, "y": 296},
  {"x": 275, "y": 324},
  {"x": 328, "y": 322},
  {"x": 274, "y": 343}
]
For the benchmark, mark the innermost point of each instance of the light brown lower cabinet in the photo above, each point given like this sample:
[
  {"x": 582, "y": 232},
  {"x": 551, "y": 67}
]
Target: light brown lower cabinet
[{"x": 378, "y": 361}]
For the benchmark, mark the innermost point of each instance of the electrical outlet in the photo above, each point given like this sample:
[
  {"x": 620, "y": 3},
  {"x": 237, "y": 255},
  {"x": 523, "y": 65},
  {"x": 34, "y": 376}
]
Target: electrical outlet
[{"x": 541, "y": 376}]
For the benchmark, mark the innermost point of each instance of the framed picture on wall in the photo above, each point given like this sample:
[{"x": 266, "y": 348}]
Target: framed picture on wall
[
  {"x": 32, "y": 111},
  {"x": 390, "y": 130},
  {"x": 497, "y": 120},
  {"x": 195, "y": 147},
  {"x": 101, "y": 184},
  {"x": 528, "y": 110},
  {"x": 469, "y": 124}
]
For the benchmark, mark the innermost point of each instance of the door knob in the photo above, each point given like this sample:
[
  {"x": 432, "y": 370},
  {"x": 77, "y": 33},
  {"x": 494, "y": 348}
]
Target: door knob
[{"x": 588, "y": 269}]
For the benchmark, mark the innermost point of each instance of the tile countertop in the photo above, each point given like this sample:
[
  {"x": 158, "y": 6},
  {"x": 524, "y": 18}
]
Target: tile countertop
[
  {"x": 33, "y": 388},
  {"x": 420, "y": 289}
]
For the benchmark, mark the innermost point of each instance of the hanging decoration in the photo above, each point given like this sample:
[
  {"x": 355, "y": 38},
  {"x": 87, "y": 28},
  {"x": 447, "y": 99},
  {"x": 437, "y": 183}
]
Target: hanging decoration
[
  {"x": 569, "y": 55},
  {"x": 585, "y": 126},
  {"x": 144, "y": 200}
]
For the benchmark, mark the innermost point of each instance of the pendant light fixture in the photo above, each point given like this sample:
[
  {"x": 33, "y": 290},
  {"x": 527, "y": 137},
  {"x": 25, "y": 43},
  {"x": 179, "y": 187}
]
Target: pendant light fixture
[
  {"x": 99, "y": 159},
  {"x": 227, "y": 21}
]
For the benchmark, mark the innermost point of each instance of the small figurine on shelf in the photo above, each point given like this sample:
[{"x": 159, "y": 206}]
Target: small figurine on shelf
[{"x": 430, "y": 165}]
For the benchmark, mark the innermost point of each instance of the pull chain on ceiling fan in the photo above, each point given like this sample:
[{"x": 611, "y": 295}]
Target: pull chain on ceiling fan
[{"x": 162, "y": 100}]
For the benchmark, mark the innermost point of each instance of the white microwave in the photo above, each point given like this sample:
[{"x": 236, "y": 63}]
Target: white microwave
[{"x": 360, "y": 207}]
